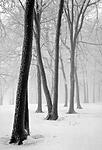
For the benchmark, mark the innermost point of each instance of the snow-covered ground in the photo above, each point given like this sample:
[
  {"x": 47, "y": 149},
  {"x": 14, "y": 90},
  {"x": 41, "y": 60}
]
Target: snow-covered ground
[{"x": 81, "y": 131}]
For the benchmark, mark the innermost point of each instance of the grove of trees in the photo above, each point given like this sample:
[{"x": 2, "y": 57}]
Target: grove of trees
[{"x": 57, "y": 46}]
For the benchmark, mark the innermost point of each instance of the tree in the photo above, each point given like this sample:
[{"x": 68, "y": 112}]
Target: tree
[
  {"x": 77, "y": 90},
  {"x": 65, "y": 81},
  {"x": 77, "y": 81},
  {"x": 39, "y": 95},
  {"x": 94, "y": 88},
  {"x": 75, "y": 14},
  {"x": 19, "y": 132},
  {"x": 37, "y": 34},
  {"x": 54, "y": 112}
]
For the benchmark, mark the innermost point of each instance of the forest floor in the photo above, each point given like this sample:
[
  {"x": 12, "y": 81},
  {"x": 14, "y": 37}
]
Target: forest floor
[{"x": 81, "y": 131}]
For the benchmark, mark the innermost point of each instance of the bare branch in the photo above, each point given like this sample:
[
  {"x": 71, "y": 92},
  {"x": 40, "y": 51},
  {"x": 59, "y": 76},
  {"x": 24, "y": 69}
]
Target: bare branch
[
  {"x": 90, "y": 43},
  {"x": 93, "y": 3},
  {"x": 22, "y": 5}
]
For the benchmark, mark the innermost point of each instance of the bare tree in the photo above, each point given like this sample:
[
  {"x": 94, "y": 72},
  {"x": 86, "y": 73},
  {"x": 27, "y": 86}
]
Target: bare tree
[
  {"x": 37, "y": 33},
  {"x": 54, "y": 113},
  {"x": 20, "y": 131}
]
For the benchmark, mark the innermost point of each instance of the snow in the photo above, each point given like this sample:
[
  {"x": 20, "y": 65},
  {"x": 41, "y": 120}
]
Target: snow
[{"x": 81, "y": 131}]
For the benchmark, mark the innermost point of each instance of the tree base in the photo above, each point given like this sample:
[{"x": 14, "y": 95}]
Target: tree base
[
  {"x": 65, "y": 105},
  {"x": 39, "y": 111},
  {"x": 18, "y": 137},
  {"x": 79, "y": 107},
  {"x": 71, "y": 112},
  {"x": 52, "y": 117},
  {"x": 48, "y": 116}
]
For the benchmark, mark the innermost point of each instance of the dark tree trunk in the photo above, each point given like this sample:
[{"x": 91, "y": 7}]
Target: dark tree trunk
[
  {"x": 54, "y": 113},
  {"x": 44, "y": 81},
  {"x": 19, "y": 132},
  {"x": 39, "y": 57},
  {"x": 72, "y": 63},
  {"x": 65, "y": 83},
  {"x": 77, "y": 91},
  {"x": 39, "y": 95},
  {"x": 66, "y": 95},
  {"x": 27, "y": 113}
]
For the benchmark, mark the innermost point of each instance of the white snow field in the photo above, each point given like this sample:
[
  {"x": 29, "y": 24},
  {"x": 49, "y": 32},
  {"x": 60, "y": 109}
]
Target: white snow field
[{"x": 81, "y": 131}]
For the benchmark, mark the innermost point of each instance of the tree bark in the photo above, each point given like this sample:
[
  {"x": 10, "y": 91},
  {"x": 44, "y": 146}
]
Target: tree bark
[
  {"x": 54, "y": 113},
  {"x": 39, "y": 96},
  {"x": 77, "y": 91},
  {"x": 19, "y": 133},
  {"x": 65, "y": 83},
  {"x": 71, "y": 105},
  {"x": 27, "y": 113},
  {"x": 72, "y": 59}
]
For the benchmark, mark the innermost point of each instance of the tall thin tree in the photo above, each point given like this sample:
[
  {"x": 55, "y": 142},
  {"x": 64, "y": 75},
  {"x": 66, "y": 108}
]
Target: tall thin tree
[
  {"x": 54, "y": 113},
  {"x": 37, "y": 19},
  {"x": 19, "y": 132},
  {"x": 39, "y": 94}
]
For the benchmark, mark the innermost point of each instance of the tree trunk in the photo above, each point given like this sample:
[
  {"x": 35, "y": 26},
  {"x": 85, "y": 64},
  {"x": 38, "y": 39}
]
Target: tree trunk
[
  {"x": 19, "y": 132},
  {"x": 39, "y": 96},
  {"x": 71, "y": 106},
  {"x": 54, "y": 113},
  {"x": 27, "y": 113},
  {"x": 44, "y": 81},
  {"x": 77, "y": 91},
  {"x": 52, "y": 84},
  {"x": 72, "y": 59},
  {"x": 99, "y": 92},
  {"x": 1, "y": 97},
  {"x": 94, "y": 85},
  {"x": 40, "y": 62},
  {"x": 87, "y": 92},
  {"x": 94, "y": 89},
  {"x": 66, "y": 95},
  {"x": 65, "y": 83}
]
